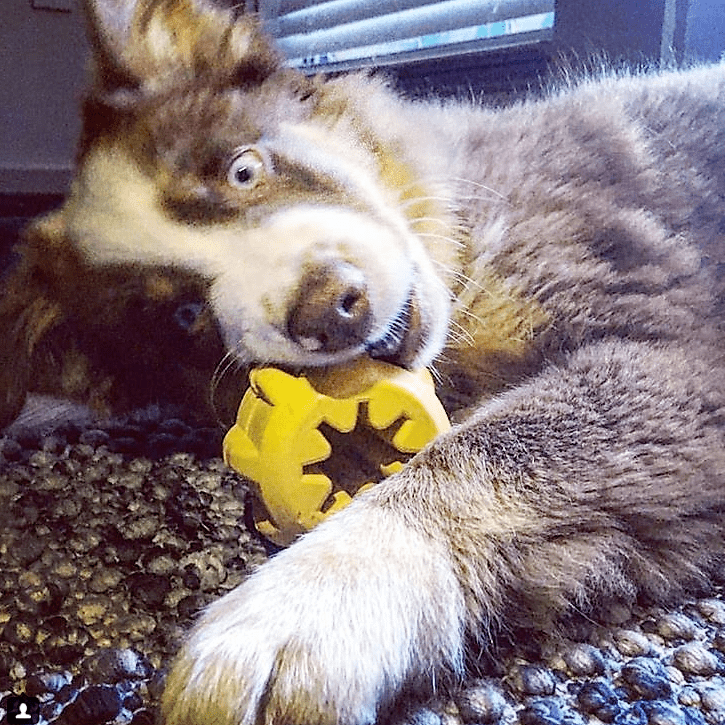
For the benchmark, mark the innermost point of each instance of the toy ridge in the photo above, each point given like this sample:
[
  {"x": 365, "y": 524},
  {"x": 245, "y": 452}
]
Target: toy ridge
[{"x": 282, "y": 438}]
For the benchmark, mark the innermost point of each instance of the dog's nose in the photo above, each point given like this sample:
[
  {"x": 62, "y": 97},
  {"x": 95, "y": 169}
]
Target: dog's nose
[{"x": 332, "y": 309}]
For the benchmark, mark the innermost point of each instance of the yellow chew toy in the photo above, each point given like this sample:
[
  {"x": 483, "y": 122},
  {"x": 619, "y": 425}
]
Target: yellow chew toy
[{"x": 310, "y": 443}]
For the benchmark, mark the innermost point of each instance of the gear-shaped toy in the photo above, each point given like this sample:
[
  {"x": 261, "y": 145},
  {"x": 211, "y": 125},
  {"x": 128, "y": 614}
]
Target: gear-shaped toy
[{"x": 311, "y": 443}]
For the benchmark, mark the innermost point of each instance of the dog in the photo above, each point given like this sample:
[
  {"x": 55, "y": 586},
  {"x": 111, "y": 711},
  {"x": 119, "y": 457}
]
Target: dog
[{"x": 557, "y": 264}]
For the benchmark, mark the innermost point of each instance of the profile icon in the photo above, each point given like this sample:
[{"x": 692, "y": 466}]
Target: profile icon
[{"x": 22, "y": 710}]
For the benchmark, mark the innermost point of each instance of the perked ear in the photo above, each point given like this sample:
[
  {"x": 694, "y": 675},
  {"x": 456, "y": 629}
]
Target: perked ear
[{"x": 148, "y": 45}]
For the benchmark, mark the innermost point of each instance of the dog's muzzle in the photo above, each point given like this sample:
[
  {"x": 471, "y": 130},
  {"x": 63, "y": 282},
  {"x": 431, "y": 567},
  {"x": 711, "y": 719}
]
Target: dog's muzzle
[
  {"x": 332, "y": 314},
  {"x": 332, "y": 310}
]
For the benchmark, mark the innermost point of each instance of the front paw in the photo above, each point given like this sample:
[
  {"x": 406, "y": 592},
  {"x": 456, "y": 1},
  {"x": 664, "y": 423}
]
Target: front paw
[{"x": 328, "y": 631}]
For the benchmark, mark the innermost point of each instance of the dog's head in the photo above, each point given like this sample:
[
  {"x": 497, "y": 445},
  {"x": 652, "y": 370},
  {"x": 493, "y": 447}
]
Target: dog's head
[
  {"x": 287, "y": 203},
  {"x": 113, "y": 337}
]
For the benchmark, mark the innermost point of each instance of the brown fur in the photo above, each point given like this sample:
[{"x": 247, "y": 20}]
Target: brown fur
[
  {"x": 579, "y": 238},
  {"x": 114, "y": 339}
]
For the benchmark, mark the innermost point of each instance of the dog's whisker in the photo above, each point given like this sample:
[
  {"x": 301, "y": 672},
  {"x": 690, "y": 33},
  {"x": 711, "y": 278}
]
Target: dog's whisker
[
  {"x": 460, "y": 333},
  {"x": 430, "y": 220},
  {"x": 459, "y": 276},
  {"x": 479, "y": 185},
  {"x": 438, "y": 376},
  {"x": 452, "y": 228},
  {"x": 468, "y": 314},
  {"x": 407, "y": 202},
  {"x": 444, "y": 237},
  {"x": 228, "y": 363},
  {"x": 452, "y": 202},
  {"x": 442, "y": 189}
]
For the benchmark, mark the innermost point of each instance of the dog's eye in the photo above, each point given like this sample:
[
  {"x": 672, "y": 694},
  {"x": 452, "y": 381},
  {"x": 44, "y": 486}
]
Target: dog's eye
[
  {"x": 246, "y": 169},
  {"x": 187, "y": 314}
]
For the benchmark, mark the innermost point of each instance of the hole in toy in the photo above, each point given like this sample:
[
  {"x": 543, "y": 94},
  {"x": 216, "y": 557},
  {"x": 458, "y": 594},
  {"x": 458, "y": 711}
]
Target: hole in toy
[
  {"x": 357, "y": 456},
  {"x": 255, "y": 512}
]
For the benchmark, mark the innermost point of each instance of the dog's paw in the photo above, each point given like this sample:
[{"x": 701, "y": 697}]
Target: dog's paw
[{"x": 328, "y": 631}]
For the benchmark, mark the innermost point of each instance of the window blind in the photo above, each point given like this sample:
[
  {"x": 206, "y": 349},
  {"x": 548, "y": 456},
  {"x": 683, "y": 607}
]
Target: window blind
[{"x": 340, "y": 34}]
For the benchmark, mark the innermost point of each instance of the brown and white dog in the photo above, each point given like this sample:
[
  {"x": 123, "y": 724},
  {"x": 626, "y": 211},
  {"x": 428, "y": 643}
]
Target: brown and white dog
[{"x": 555, "y": 263}]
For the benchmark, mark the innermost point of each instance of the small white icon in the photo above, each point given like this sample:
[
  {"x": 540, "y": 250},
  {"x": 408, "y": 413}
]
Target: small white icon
[{"x": 23, "y": 712}]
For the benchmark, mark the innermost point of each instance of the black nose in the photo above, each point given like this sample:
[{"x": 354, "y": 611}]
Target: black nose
[{"x": 332, "y": 309}]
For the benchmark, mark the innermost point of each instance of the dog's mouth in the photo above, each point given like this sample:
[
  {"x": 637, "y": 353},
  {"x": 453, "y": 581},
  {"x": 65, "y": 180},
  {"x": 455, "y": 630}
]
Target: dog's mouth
[{"x": 403, "y": 338}]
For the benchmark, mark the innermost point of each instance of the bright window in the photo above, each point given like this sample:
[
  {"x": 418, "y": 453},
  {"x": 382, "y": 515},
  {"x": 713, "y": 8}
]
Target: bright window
[{"x": 332, "y": 35}]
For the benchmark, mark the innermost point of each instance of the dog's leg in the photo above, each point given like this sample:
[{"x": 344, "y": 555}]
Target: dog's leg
[
  {"x": 326, "y": 630},
  {"x": 600, "y": 478}
]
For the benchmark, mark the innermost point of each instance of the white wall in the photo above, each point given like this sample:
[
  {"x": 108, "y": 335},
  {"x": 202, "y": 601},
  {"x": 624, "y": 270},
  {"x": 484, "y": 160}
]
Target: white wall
[{"x": 42, "y": 69}]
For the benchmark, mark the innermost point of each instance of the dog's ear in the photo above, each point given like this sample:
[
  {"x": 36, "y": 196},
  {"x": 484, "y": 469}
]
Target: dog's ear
[
  {"x": 27, "y": 314},
  {"x": 144, "y": 46}
]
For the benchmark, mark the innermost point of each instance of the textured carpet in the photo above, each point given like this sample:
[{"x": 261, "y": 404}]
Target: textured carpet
[{"x": 112, "y": 540}]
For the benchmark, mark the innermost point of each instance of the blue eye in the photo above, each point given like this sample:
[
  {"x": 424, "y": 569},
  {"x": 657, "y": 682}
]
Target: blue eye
[
  {"x": 246, "y": 169},
  {"x": 187, "y": 314}
]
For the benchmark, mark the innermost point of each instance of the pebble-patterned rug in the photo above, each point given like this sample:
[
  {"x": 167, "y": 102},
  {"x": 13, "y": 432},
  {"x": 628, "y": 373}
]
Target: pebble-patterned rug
[{"x": 112, "y": 540}]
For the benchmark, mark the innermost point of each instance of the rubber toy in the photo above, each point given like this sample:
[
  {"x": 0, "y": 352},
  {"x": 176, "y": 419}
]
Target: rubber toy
[{"x": 310, "y": 443}]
